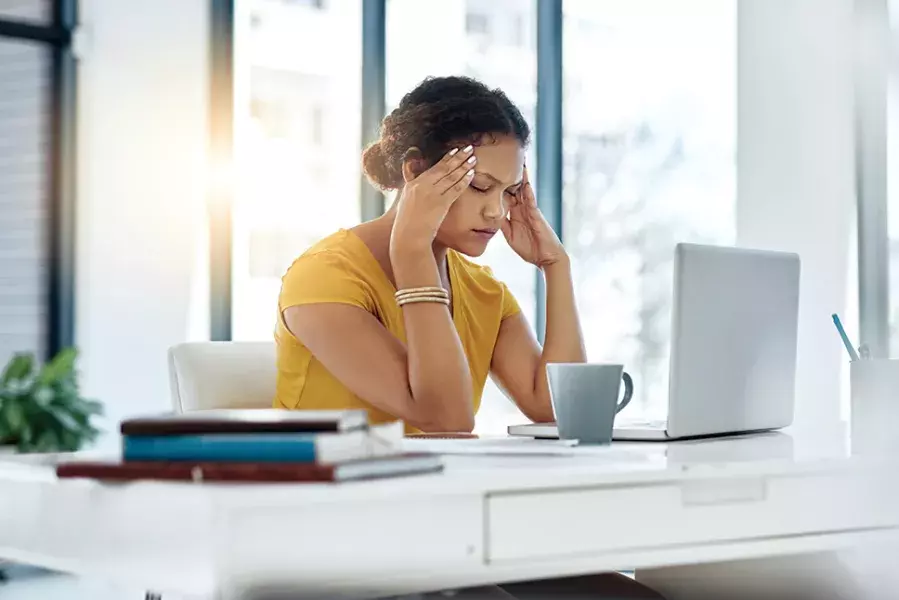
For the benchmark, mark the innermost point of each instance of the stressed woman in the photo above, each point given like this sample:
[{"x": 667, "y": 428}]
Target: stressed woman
[{"x": 391, "y": 316}]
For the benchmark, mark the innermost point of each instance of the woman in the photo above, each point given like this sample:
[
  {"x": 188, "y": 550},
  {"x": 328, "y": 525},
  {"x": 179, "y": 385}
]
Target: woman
[{"x": 390, "y": 316}]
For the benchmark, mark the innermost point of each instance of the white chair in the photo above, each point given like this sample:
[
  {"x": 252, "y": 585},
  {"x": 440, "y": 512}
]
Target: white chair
[{"x": 207, "y": 375}]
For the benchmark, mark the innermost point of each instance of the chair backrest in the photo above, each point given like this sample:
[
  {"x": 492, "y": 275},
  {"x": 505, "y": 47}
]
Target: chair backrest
[{"x": 207, "y": 375}]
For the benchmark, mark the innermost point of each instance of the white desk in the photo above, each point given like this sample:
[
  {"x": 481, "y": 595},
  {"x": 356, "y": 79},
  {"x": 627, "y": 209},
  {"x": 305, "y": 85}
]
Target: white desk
[{"x": 715, "y": 505}]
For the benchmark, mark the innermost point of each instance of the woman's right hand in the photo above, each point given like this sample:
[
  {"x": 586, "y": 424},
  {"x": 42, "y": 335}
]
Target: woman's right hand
[{"x": 426, "y": 199}]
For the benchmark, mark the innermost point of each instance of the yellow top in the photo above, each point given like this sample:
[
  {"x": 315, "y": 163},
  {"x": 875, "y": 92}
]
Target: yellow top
[{"x": 341, "y": 268}]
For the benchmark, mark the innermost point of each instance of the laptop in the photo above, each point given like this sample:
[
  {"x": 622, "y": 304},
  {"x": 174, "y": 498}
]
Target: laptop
[{"x": 732, "y": 370}]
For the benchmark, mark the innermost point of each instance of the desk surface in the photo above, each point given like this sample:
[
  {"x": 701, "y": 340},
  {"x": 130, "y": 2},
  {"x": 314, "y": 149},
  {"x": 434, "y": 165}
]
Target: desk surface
[{"x": 526, "y": 509}]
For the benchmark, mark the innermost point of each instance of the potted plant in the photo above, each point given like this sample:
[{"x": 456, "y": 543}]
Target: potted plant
[{"x": 41, "y": 409}]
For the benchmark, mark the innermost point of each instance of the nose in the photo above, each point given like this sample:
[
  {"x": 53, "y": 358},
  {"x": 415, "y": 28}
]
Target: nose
[{"x": 494, "y": 207}]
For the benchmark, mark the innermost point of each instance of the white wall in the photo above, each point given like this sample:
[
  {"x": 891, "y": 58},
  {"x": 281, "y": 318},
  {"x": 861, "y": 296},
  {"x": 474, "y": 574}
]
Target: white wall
[
  {"x": 795, "y": 172},
  {"x": 142, "y": 129}
]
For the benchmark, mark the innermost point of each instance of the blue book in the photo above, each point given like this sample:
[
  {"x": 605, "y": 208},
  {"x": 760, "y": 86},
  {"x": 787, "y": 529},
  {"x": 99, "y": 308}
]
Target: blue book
[{"x": 269, "y": 447}]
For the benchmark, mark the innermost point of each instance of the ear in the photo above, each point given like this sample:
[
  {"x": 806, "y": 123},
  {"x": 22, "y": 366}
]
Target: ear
[{"x": 413, "y": 164}]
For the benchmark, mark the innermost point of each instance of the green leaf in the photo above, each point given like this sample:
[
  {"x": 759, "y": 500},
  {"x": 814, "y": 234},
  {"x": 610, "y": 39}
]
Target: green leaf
[
  {"x": 66, "y": 421},
  {"x": 47, "y": 441},
  {"x": 20, "y": 367},
  {"x": 92, "y": 407},
  {"x": 13, "y": 415},
  {"x": 43, "y": 396},
  {"x": 62, "y": 367}
]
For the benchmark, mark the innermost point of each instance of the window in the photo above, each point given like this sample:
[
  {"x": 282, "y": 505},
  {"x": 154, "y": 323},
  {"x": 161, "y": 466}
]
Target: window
[
  {"x": 24, "y": 152},
  {"x": 37, "y": 109},
  {"x": 296, "y": 143},
  {"x": 892, "y": 181},
  {"x": 31, "y": 11},
  {"x": 476, "y": 24},
  {"x": 317, "y": 4},
  {"x": 519, "y": 31},
  {"x": 412, "y": 56},
  {"x": 649, "y": 161}
]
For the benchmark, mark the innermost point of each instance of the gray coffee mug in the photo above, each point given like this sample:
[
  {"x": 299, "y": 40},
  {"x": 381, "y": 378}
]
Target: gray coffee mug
[{"x": 585, "y": 399}]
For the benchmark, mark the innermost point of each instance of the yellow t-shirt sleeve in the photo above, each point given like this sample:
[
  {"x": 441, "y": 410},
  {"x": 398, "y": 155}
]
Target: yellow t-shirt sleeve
[
  {"x": 323, "y": 278},
  {"x": 510, "y": 304}
]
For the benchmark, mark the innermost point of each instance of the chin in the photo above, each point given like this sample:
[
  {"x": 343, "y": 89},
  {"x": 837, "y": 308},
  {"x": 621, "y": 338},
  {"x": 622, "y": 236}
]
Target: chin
[{"x": 472, "y": 250}]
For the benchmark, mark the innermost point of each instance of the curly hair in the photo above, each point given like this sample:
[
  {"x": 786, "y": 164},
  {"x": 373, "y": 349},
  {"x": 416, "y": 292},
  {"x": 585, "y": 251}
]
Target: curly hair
[{"x": 439, "y": 113}]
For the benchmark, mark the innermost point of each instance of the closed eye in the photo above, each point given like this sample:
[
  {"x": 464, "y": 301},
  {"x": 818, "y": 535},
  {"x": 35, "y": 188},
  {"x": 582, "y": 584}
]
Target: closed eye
[{"x": 480, "y": 190}]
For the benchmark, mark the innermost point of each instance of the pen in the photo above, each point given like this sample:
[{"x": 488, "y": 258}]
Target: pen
[{"x": 853, "y": 355}]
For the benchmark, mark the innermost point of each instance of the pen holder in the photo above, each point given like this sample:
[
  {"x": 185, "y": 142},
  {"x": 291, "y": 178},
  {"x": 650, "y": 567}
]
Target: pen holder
[{"x": 874, "y": 388}]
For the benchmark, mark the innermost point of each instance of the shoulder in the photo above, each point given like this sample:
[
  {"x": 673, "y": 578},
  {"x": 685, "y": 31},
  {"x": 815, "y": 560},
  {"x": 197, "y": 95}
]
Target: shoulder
[
  {"x": 334, "y": 269},
  {"x": 339, "y": 251},
  {"x": 474, "y": 272},
  {"x": 482, "y": 287}
]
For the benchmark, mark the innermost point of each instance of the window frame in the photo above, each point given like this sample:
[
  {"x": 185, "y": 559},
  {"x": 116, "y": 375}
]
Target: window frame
[
  {"x": 57, "y": 37},
  {"x": 548, "y": 128}
]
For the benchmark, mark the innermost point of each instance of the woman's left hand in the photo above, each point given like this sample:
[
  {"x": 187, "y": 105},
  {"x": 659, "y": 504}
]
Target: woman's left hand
[{"x": 528, "y": 232}]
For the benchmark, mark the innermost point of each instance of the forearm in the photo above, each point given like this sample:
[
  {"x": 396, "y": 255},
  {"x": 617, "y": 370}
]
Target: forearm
[
  {"x": 563, "y": 342},
  {"x": 439, "y": 377}
]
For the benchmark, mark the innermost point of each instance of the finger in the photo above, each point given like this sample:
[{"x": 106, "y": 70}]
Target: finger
[
  {"x": 456, "y": 189},
  {"x": 450, "y": 162},
  {"x": 515, "y": 214},
  {"x": 526, "y": 192},
  {"x": 462, "y": 172},
  {"x": 527, "y": 195},
  {"x": 459, "y": 171}
]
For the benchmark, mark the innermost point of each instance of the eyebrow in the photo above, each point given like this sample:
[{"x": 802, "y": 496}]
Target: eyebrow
[{"x": 491, "y": 177}]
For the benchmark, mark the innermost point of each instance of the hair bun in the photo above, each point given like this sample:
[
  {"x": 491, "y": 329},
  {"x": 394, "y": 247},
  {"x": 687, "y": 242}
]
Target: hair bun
[{"x": 376, "y": 169}]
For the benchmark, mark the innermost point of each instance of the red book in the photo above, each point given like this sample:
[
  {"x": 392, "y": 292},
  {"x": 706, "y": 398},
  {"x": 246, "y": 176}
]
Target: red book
[{"x": 370, "y": 468}]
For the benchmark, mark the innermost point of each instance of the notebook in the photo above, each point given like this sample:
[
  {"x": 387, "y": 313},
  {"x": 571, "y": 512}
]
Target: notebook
[
  {"x": 322, "y": 447},
  {"x": 245, "y": 421},
  {"x": 386, "y": 466}
]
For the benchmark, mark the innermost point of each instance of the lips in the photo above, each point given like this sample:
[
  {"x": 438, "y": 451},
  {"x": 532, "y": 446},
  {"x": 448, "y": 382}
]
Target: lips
[{"x": 487, "y": 232}]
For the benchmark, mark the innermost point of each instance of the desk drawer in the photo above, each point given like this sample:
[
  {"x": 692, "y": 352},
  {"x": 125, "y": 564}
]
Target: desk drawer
[{"x": 545, "y": 524}]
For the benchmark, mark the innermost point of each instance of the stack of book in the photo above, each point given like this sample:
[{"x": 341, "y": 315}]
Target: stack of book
[{"x": 257, "y": 445}]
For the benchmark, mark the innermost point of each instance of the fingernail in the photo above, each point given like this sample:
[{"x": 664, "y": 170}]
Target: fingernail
[
  {"x": 453, "y": 151},
  {"x": 468, "y": 148},
  {"x": 472, "y": 159},
  {"x": 470, "y": 173}
]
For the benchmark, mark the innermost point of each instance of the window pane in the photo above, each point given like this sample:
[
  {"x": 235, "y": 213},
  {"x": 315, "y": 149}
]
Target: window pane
[
  {"x": 649, "y": 142},
  {"x": 24, "y": 155},
  {"x": 296, "y": 142},
  {"x": 495, "y": 42},
  {"x": 893, "y": 167},
  {"x": 40, "y": 11}
]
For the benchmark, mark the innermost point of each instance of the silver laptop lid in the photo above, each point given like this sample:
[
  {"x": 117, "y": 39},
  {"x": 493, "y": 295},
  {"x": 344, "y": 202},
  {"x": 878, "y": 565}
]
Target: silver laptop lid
[{"x": 733, "y": 341}]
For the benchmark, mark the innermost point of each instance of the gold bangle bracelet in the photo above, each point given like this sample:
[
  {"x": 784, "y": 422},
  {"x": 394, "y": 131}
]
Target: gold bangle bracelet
[
  {"x": 422, "y": 295},
  {"x": 444, "y": 301},
  {"x": 436, "y": 289}
]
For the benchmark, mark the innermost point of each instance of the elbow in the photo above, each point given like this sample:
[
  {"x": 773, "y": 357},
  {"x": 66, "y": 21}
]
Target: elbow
[
  {"x": 463, "y": 423},
  {"x": 448, "y": 425},
  {"x": 452, "y": 415}
]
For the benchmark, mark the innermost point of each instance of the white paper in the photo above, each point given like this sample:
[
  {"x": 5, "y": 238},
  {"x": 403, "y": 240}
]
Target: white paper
[{"x": 511, "y": 446}]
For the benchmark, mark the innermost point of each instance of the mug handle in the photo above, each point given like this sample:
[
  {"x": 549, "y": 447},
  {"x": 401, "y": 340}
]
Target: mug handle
[{"x": 628, "y": 392}]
